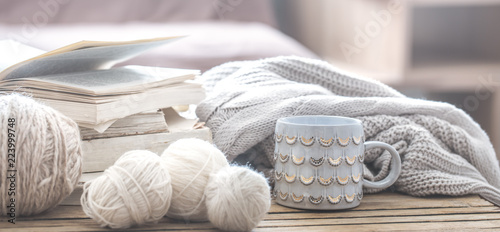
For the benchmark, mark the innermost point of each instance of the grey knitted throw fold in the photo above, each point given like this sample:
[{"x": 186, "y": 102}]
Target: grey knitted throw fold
[{"x": 443, "y": 150}]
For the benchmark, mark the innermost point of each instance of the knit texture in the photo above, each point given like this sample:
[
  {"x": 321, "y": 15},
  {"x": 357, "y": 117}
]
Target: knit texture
[{"x": 443, "y": 150}]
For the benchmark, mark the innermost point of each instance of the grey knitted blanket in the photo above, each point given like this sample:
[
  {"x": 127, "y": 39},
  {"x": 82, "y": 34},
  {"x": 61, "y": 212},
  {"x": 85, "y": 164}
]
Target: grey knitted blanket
[{"x": 443, "y": 150}]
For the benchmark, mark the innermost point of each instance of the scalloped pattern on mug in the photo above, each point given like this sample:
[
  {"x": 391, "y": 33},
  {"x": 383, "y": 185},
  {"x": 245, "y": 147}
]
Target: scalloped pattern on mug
[
  {"x": 360, "y": 195},
  {"x": 278, "y": 138},
  {"x": 350, "y": 199},
  {"x": 297, "y": 199},
  {"x": 290, "y": 140},
  {"x": 307, "y": 142},
  {"x": 298, "y": 161},
  {"x": 316, "y": 200},
  {"x": 343, "y": 142},
  {"x": 306, "y": 181},
  {"x": 350, "y": 160},
  {"x": 290, "y": 179},
  {"x": 326, "y": 142},
  {"x": 357, "y": 140},
  {"x": 334, "y": 200},
  {"x": 283, "y": 196},
  {"x": 357, "y": 178},
  {"x": 278, "y": 176},
  {"x": 325, "y": 182},
  {"x": 317, "y": 162},
  {"x": 284, "y": 158},
  {"x": 322, "y": 141},
  {"x": 335, "y": 162},
  {"x": 361, "y": 158},
  {"x": 343, "y": 180}
]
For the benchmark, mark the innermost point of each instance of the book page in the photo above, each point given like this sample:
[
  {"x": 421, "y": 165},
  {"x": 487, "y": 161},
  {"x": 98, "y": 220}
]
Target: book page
[
  {"x": 82, "y": 56},
  {"x": 123, "y": 80},
  {"x": 93, "y": 111},
  {"x": 14, "y": 52},
  {"x": 137, "y": 124},
  {"x": 176, "y": 123}
]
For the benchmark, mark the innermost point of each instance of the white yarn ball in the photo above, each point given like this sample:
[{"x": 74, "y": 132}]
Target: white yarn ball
[
  {"x": 190, "y": 163},
  {"x": 47, "y": 153},
  {"x": 135, "y": 190},
  {"x": 237, "y": 198}
]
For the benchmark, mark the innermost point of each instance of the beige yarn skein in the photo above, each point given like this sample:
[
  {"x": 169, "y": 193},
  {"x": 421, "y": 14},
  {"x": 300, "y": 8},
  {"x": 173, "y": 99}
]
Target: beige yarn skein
[
  {"x": 48, "y": 156},
  {"x": 238, "y": 198},
  {"x": 190, "y": 163},
  {"x": 136, "y": 190}
]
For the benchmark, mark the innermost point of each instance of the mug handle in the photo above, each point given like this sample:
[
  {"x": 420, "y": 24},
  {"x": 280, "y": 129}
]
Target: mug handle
[{"x": 395, "y": 166}]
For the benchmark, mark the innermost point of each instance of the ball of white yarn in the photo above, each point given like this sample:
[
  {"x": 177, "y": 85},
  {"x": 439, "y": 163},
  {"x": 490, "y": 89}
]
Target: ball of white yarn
[
  {"x": 190, "y": 163},
  {"x": 237, "y": 198},
  {"x": 45, "y": 152},
  {"x": 135, "y": 190}
]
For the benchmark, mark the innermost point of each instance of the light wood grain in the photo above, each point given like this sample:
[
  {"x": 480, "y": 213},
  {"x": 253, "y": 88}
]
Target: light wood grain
[{"x": 378, "y": 212}]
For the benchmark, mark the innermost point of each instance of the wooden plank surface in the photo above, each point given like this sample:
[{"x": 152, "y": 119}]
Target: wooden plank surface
[{"x": 378, "y": 212}]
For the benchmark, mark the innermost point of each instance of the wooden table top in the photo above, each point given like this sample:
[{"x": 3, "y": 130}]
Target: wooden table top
[{"x": 383, "y": 212}]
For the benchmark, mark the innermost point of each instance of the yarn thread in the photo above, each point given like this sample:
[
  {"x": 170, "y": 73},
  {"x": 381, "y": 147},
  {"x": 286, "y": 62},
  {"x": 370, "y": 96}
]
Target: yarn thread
[
  {"x": 191, "y": 162},
  {"x": 48, "y": 156},
  {"x": 237, "y": 198},
  {"x": 192, "y": 180},
  {"x": 136, "y": 190}
]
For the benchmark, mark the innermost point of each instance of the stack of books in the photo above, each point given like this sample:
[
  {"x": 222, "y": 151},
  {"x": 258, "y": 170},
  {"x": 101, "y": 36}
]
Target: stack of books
[{"x": 117, "y": 109}]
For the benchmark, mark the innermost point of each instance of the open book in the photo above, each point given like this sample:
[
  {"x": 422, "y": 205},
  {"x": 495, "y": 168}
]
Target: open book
[{"x": 78, "y": 80}]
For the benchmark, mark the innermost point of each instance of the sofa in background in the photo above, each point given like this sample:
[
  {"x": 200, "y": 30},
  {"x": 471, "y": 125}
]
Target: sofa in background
[{"x": 218, "y": 31}]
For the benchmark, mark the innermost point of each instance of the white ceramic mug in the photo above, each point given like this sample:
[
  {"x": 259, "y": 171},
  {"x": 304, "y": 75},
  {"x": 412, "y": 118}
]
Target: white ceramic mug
[{"x": 319, "y": 162}]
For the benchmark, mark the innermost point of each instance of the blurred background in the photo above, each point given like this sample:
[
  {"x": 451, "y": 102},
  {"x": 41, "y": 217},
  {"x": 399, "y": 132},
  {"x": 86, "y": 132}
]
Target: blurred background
[{"x": 445, "y": 50}]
